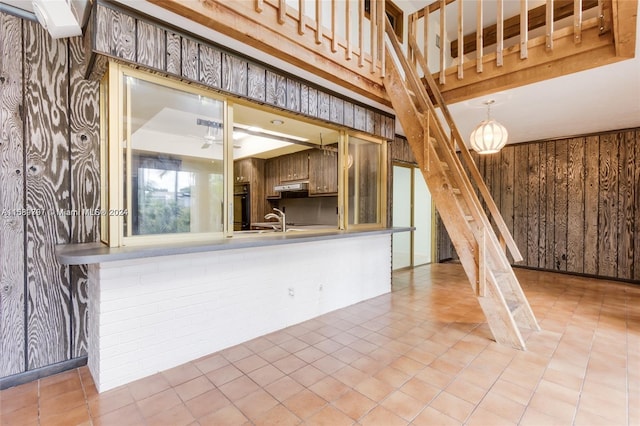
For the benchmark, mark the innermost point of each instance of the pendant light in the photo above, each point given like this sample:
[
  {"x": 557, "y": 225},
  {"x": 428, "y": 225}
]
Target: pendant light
[{"x": 489, "y": 136}]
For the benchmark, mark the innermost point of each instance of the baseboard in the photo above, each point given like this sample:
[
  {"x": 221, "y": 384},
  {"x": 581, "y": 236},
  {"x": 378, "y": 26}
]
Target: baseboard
[{"x": 39, "y": 373}]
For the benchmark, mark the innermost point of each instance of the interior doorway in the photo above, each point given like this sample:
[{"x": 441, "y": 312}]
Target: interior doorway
[{"x": 411, "y": 207}]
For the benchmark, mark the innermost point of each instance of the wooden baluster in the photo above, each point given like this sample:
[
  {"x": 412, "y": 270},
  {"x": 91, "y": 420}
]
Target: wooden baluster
[
  {"x": 334, "y": 39},
  {"x": 479, "y": 36},
  {"x": 500, "y": 33},
  {"x": 301, "y": 23},
  {"x": 482, "y": 263},
  {"x": 282, "y": 11},
  {"x": 427, "y": 141},
  {"x": 374, "y": 39},
  {"x": 318, "y": 21},
  {"x": 605, "y": 14},
  {"x": 382, "y": 17},
  {"x": 348, "y": 52},
  {"x": 411, "y": 20},
  {"x": 425, "y": 40},
  {"x": 360, "y": 32},
  {"x": 259, "y": 4},
  {"x": 524, "y": 29},
  {"x": 442, "y": 39},
  {"x": 577, "y": 21},
  {"x": 460, "y": 41},
  {"x": 549, "y": 26}
]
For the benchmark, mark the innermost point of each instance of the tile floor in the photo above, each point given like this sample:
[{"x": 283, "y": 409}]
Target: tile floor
[{"x": 420, "y": 355}]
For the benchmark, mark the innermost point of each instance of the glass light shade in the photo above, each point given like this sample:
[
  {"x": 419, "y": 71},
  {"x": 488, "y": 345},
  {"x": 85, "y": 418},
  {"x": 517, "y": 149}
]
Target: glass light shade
[{"x": 489, "y": 137}]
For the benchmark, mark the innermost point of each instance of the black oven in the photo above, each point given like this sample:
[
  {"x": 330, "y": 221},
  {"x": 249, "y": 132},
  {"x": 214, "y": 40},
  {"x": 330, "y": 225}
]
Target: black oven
[{"x": 241, "y": 208}]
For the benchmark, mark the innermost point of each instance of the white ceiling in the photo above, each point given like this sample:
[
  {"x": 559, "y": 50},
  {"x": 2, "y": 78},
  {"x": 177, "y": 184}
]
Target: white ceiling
[{"x": 601, "y": 99}]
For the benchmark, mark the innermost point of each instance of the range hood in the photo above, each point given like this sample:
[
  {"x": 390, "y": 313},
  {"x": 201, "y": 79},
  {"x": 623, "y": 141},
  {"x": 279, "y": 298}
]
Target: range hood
[{"x": 292, "y": 187}]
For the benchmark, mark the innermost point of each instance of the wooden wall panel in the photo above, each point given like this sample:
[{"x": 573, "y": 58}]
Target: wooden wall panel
[
  {"x": 608, "y": 206},
  {"x": 147, "y": 44},
  {"x": 507, "y": 179},
  {"x": 234, "y": 75},
  {"x": 323, "y": 106},
  {"x": 348, "y": 115},
  {"x": 12, "y": 288},
  {"x": 211, "y": 71},
  {"x": 560, "y": 207},
  {"x": 190, "y": 61},
  {"x": 293, "y": 94},
  {"x": 542, "y": 206},
  {"x": 304, "y": 99},
  {"x": 313, "y": 102},
  {"x": 336, "y": 110},
  {"x": 359, "y": 118},
  {"x": 547, "y": 261},
  {"x": 47, "y": 188},
  {"x": 575, "y": 205},
  {"x": 636, "y": 214},
  {"x": 626, "y": 172},
  {"x": 533, "y": 206},
  {"x": 591, "y": 191},
  {"x": 151, "y": 45},
  {"x": 174, "y": 53},
  {"x": 520, "y": 199},
  {"x": 85, "y": 183}
]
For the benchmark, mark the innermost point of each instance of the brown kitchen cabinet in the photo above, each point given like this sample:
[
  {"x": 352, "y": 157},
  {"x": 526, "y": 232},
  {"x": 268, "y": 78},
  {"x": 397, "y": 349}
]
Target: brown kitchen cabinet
[
  {"x": 323, "y": 173},
  {"x": 243, "y": 170},
  {"x": 272, "y": 177},
  {"x": 251, "y": 171},
  {"x": 294, "y": 166}
]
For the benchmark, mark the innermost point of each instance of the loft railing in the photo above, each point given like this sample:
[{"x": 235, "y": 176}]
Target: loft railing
[
  {"x": 354, "y": 29},
  {"x": 516, "y": 28},
  {"x": 487, "y": 41},
  {"x": 336, "y": 39}
]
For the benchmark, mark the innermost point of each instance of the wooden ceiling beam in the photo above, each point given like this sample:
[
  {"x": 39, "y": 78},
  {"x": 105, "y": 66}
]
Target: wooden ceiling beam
[{"x": 537, "y": 18}]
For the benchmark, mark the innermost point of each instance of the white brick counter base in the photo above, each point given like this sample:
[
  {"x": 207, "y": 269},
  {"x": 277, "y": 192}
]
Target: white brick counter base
[{"x": 147, "y": 315}]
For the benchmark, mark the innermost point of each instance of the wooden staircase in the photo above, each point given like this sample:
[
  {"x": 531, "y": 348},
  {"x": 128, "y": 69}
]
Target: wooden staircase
[{"x": 434, "y": 144}]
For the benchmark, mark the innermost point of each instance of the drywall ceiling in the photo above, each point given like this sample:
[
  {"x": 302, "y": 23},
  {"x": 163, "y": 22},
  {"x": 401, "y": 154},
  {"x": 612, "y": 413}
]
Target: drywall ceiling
[{"x": 601, "y": 99}]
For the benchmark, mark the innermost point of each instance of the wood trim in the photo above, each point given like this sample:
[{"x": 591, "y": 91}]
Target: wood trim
[{"x": 536, "y": 19}]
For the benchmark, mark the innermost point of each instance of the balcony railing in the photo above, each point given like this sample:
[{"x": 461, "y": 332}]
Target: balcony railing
[
  {"x": 338, "y": 40},
  {"x": 476, "y": 47}
]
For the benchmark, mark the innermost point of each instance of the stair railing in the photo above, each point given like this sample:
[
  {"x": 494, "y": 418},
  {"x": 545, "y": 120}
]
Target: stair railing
[{"x": 427, "y": 107}]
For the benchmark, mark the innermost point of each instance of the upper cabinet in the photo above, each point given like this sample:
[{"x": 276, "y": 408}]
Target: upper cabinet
[
  {"x": 272, "y": 177},
  {"x": 294, "y": 166},
  {"x": 323, "y": 172},
  {"x": 243, "y": 170}
]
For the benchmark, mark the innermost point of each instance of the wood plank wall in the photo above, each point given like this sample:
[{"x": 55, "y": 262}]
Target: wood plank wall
[
  {"x": 49, "y": 152},
  {"x": 142, "y": 42},
  {"x": 572, "y": 204}
]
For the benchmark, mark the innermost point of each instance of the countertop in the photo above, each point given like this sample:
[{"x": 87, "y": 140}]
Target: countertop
[{"x": 81, "y": 254}]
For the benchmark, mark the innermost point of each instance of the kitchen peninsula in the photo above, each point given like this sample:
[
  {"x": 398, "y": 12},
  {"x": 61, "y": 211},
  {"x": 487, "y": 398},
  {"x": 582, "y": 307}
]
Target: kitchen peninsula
[{"x": 155, "y": 307}]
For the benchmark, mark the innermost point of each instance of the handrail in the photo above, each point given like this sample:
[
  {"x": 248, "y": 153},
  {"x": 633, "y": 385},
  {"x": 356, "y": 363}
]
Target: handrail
[{"x": 466, "y": 155}]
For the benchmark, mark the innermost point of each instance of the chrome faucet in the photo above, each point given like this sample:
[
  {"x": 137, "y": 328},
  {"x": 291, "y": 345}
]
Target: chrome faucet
[{"x": 280, "y": 217}]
